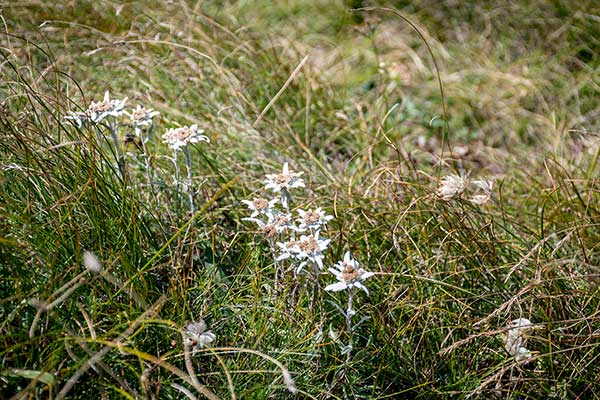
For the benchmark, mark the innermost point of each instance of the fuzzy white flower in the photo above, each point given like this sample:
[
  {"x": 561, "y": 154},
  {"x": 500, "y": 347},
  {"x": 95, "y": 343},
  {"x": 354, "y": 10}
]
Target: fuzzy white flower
[
  {"x": 515, "y": 338},
  {"x": 284, "y": 182},
  {"x": 451, "y": 186},
  {"x": 141, "y": 116},
  {"x": 312, "y": 219},
  {"x": 176, "y": 138},
  {"x": 268, "y": 228},
  {"x": 280, "y": 222},
  {"x": 288, "y": 249},
  {"x": 349, "y": 275},
  {"x": 283, "y": 222},
  {"x": 309, "y": 247},
  {"x": 197, "y": 336},
  {"x": 79, "y": 118},
  {"x": 485, "y": 192},
  {"x": 260, "y": 206},
  {"x": 97, "y": 111}
]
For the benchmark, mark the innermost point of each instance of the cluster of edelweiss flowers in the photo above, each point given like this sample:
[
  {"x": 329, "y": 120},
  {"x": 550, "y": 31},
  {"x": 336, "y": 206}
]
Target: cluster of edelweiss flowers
[
  {"x": 106, "y": 113},
  {"x": 299, "y": 238},
  {"x": 454, "y": 186}
]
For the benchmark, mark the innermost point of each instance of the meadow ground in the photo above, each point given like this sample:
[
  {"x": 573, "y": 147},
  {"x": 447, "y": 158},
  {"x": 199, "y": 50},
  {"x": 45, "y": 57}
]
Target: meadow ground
[{"x": 454, "y": 144}]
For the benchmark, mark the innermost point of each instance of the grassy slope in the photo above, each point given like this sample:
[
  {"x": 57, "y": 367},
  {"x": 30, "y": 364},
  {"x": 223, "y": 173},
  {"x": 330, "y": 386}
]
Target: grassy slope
[{"x": 521, "y": 83}]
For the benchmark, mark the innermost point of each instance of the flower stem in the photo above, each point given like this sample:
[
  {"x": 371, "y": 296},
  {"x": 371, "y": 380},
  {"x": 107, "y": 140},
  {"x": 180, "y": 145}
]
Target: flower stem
[{"x": 349, "y": 314}]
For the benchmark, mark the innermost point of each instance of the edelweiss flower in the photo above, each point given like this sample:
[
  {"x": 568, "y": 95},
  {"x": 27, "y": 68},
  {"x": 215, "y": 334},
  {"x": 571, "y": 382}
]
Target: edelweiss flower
[
  {"x": 102, "y": 109},
  {"x": 349, "y": 274},
  {"x": 141, "y": 116},
  {"x": 451, "y": 186},
  {"x": 286, "y": 180},
  {"x": 283, "y": 222},
  {"x": 268, "y": 228},
  {"x": 260, "y": 206},
  {"x": 515, "y": 338},
  {"x": 78, "y": 118},
  {"x": 312, "y": 219},
  {"x": 279, "y": 222},
  {"x": 288, "y": 249},
  {"x": 177, "y": 138},
  {"x": 196, "y": 335},
  {"x": 485, "y": 187},
  {"x": 309, "y": 247}
]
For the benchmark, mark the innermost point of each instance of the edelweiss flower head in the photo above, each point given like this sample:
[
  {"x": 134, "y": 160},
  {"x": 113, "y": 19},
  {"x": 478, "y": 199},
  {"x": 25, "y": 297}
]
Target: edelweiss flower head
[
  {"x": 312, "y": 219},
  {"x": 78, "y": 118},
  {"x": 107, "y": 107},
  {"x": 451, "y": 186},
  {"x": 309, "y": 247},
  {"x": 288, "y": 249},
  {"x": 260, "y": 206},
  {"x": 176, "y": 138},
  {"x": 485, "y": 189},
  {"x": 196, "y": 335},
  {"x": 142, "y": 116},
  {"x": 284, "y": 182},
  {"x": 268, "y": 228},
  {"x": 515, "y": 339},
  {"x": 349, "y": 274},
  {"x": 283, "y": 222},
  {"x": 276, "y": 222}
]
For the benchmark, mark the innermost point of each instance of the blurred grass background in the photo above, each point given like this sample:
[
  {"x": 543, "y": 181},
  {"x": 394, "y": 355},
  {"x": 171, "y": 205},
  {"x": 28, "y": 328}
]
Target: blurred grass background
[{"x": 363, "y": 120}]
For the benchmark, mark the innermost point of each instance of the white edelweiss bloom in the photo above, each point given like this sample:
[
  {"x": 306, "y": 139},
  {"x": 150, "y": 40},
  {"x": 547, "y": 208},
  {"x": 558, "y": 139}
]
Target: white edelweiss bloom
[
  {"x": 141, "y": 116},
  {"x": 485, "y": 189},
  {"x": 312, "y": 219},
  {"x": 284, "y": 182},
  {"x": 176, "y": 138},
  {"x": 196, "y": 335},
  {"x": 515, "y": 338},
  {"x": 107, "y": 107},
  {"x": 451, "y": 186},
  {"x": 288, "y": 249},
  {"x": 268, "y": 228},
  {"x": 260, "y": 206},
  {"x": 311, "y": 247},
  {"x": 349, "y": 274},
  {"x": 283, "y": 222},
  {"x": 79, "y": 118}
]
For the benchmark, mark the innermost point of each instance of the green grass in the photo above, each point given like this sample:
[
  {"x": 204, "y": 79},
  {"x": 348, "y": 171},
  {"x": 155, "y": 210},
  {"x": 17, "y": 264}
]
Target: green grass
[{"x": 521, "y": 87}]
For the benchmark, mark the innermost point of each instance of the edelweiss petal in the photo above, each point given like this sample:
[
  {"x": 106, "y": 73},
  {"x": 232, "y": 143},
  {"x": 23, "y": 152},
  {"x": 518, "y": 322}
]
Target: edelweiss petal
[{"x": 337, "y": 287}]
